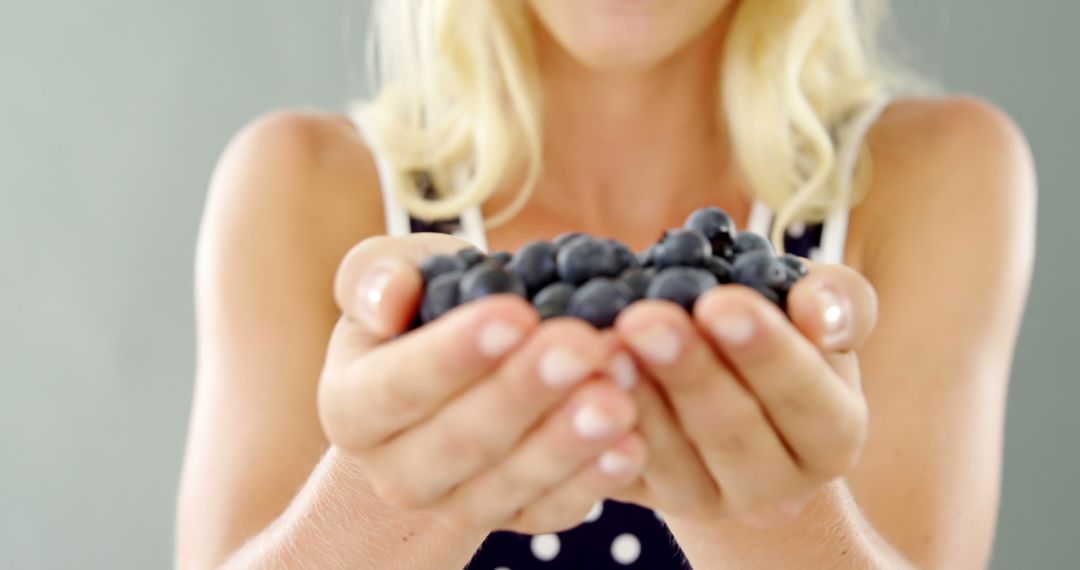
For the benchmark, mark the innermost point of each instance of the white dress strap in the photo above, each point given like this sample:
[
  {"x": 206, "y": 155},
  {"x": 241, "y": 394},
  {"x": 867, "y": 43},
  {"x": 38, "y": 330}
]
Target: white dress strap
[
  {"x": 834, "y": 228},
  {"x": 834, "y": 233},
  {"x": 398, "y": 221}
]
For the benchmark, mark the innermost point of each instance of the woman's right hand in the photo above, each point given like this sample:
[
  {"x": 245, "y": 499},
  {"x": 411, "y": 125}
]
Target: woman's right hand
[{"x": 484, "y": 417}]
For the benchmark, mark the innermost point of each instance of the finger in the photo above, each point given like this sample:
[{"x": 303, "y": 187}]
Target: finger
[
  {"x": 722, "y": 419},
  {"x": 821, "y": 418},
  {"x": 378, "y": 285},
  {"x": 675, "y": 474},
  {"x": 566, "y": 505},
  {"x": 596, "y": 415},
  {"x": 366, "y": 399},
  {"x": 834, "y": 306},
  {"x": 482, "y": 425}
]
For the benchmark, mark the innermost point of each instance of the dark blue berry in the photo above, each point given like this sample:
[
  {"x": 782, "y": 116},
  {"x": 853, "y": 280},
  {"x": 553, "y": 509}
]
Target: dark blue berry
[
  {"x": 624, "y": 258},
  {"x": 748, "y": 241},
  {"x": 440, "y": 296},
  {"x": 553, "y": 300},
  {"x": 535, "y": 265},
  {"x": 647, "y": 258},
  {"x": 599, "y": 302},
  {"x": 761, "y": 269},
  {"x": 775, "y": 297},
  {"x": 433, "y": 267},
  {"x": 717, "y": 227},
  {"x": 501, "y": 257},
  {"x": 489, "y": 278},
  {"x": 586, "y": 258},
  {"x": 471, "y": 256},
  {"x": 682, "y": 248},
  {"x": 638, "y": 280},
  {"x": 563, "y": 240},
  {"x": 795, "y": 266},
  {"x": 720, "y": 268},
  {"x": 681, "y": 285}
]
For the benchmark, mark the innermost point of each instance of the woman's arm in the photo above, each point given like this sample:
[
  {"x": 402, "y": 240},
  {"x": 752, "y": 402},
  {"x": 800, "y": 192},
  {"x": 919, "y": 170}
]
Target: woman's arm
[
  {"x": 286, "y": 203},
  {"x": 947, "y": 238},
  {"x": 337, "y": 522}
]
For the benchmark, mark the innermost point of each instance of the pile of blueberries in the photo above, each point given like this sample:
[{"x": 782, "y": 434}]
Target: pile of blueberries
[{"x": 594, "y": 279}]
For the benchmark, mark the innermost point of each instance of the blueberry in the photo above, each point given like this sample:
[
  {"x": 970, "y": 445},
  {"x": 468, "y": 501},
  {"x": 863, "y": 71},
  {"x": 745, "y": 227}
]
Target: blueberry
[
  {"x": 471, "y": 256},
  {"x": 563, "y": 240},
  {"x": 625, "y": 259},
  {"x": 501, "y": 257},
  {"x": 682, "y": 248},
  {"x": 647, "y": 257},
  {"x": 435, "y": 266},
  {"x": 586, "y": 258},
  {"x": 795, "y": 266},
  {"x": 748, "y": 241},
  {"x": 681, "y": 285},
  {"x": 535, "y": 265},
  {"x": 775, "y": 297},
  {"x": 638, "y": 280},
  {"x": 440, "y": 295},
  {"x": 553, "y": 300},
  {"x": 488, "y": 278},
  {"x": 720, "y": 268},
  {"x": 599, "y": 302},
  {"x": 760, "y": 268},
  {"x": 717, "y": 227}
]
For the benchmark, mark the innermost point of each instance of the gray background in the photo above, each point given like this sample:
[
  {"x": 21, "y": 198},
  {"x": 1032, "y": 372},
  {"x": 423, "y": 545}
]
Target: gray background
[{"x": 112, "y": 113}]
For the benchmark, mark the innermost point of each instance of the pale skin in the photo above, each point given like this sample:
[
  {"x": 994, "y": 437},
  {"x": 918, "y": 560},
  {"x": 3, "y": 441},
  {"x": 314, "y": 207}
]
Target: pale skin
[{"x": 862, "y": 436}]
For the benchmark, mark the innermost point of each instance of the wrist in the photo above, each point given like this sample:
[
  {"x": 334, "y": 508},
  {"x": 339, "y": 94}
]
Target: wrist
[{"x": 830, "y": 532}]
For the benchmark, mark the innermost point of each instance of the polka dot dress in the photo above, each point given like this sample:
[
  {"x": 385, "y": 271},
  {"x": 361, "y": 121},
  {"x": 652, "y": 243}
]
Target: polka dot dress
[{"x": 612, "y": 535}]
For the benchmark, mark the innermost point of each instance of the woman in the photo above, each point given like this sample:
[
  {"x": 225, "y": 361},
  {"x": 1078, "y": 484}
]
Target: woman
[{"x": 322, "y": 438}]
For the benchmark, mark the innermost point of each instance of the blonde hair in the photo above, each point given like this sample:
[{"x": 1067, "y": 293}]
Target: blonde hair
[{"x": 458, "y": 97}]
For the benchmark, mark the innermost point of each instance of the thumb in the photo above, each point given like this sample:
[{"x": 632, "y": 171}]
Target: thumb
[
  {"x": 378, "y": 286},
  {"x": 385, "y": 296}
]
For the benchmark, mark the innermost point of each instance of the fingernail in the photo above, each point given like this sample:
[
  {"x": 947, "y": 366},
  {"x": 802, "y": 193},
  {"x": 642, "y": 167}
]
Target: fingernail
[
  {"x": 657, "y": 343},
  {"x": 372, "y": 289},
  {"x": 592, "y": 423},
  {"x": 613, "y": 463},
  {"x": 623, "y": 371},
  {"x": 734, "y": 329},
  {"x": 834, "y": 321},
  {"x": 498, "y": 337},
  {"x": 560, "y": 367}
]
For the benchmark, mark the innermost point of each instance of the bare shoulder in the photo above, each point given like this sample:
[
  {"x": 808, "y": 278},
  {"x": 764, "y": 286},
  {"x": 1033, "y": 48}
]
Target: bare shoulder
[
  {"x": 299, "y": 175},
  {"x": 292, "y": 193},
  {"x": 957, "y": 168}
]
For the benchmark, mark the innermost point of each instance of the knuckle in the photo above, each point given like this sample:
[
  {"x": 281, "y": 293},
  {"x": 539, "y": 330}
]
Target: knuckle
[
  {"x": 738, "y": 419},
  {"x": 338, "y": 421},
  {"x": 398, "y": 493},
  {"x": 847, "y": 440},
  {"x": 462, "y": 447},
  {"x": 392, "y": 398}
]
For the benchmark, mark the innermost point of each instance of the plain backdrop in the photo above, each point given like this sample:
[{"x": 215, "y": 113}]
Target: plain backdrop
[{"x": 112, "y": 114}]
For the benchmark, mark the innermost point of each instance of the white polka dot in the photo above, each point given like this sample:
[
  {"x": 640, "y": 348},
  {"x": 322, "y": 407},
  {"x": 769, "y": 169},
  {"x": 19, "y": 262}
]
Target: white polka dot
[
  {"x": 595, "y": 512},
  {"x": 658, "y": 515},
  {"x": 815, "y": 253},
  {"x": 625, "y": 549},
  {"x": 796, "y": 230},
  {"x": 503, "y": 568},
  {"x": 545, "y": 546}
]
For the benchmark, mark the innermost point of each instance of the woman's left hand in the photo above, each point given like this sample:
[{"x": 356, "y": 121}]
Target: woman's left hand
[{"x": 747, "y": 413}]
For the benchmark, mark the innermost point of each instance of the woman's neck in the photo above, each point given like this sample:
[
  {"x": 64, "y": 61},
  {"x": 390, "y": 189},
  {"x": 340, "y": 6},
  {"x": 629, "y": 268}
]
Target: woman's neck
[{"x": 629, "y": 147}]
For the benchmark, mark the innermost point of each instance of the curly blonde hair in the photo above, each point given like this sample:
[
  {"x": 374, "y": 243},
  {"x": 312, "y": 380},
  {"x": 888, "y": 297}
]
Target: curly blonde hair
[{"x": 457, "y": 96}]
